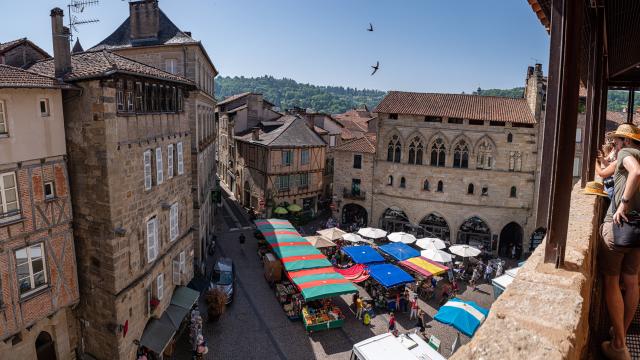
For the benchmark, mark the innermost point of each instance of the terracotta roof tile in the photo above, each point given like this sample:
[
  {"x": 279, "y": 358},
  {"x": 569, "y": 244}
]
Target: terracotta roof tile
[
  {"x": 96, "y": 64},
  {"x": 4, "y": 47},
  {"x": 615, "y": 118},
  {"x": 294, "y": 132},
  {"x": 12, "y": 77},
  {"x": 457, "y": 105},
  {"x": 365, "y": 144}
]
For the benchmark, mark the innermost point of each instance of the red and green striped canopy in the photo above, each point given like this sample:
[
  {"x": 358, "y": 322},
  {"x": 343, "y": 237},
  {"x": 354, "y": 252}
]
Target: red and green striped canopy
[
  {"x": 270, "y": 224},
  {"x": 321, "y": 283}
]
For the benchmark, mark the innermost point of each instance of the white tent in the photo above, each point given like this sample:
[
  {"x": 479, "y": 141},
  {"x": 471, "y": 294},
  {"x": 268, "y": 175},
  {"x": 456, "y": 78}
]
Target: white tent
[
  {"x": 436, "y": 255},
  {"x": 352, "y": 238},
  {"x": 402, "y": 237},
  {"x": 464, "y": 250},
  {"x": 332, "y": 234},
  {"x": 372, "y": 233},
  {"x": 431, "y": 243}
]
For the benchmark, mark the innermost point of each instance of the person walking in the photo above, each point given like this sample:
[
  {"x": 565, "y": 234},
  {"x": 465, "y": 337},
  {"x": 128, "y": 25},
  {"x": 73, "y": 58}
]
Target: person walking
[
  {"x": 421, "y": 321},
  {"x": 414, "y": 308},
  {"x": 354, "y": 299},
  {"x": 487, "y": 272},
  {"x": 618, "y": 261},
  {"x": 392, "y": 322}
]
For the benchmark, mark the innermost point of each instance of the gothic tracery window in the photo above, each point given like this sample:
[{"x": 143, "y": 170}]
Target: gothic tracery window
[
  {"x": 394, "y": 149},
  {"x": 438, "y": 153},
  {"x": 416, "y": 151},
  {"x": 461, "y": 155},
  {"x": 515, "y": 161},
  {"x": 485, "y": 155}
]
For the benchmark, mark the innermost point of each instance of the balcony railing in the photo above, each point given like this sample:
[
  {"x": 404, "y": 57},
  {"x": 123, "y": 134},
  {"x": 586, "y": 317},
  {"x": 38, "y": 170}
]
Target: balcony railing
[{"x": 353, "y": 194}]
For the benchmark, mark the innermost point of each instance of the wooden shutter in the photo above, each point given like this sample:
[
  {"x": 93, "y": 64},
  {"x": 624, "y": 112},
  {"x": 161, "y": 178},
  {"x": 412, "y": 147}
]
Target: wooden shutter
[
  {"x": 176, "y": 272},
  {"x": 160, "y": 285},
  {"x": 180, "y": 159},
  {"x": 159, "y": 166},
  {"x": 173, "y": 222},
  {"x": 152, "y": 240},
  {"x": 147, "y": 170},
  {"x": 170, "y": 161}
]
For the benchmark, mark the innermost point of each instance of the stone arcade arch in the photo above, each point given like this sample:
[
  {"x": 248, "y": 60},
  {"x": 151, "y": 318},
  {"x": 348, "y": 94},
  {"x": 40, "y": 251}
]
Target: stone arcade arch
[
  {"x": 511, "y": 235},
  {"x": 475, "y": 231},
  {"x": 45, "y": 348},
  {"x": 393, "y": 219},
  {"x": 434, "y": 225},
  {"x": 354, "y": 213}
]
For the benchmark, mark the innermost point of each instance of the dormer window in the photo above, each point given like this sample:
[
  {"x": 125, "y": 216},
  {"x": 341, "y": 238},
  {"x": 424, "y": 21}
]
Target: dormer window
[{"x": 393, "y": 116}]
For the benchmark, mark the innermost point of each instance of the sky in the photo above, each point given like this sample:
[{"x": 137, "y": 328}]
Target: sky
[{"x": 422, "y": 45}]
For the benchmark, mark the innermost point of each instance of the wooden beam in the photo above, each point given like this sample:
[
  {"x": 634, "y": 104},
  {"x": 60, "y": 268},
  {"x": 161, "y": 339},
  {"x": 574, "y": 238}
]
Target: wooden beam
[
  {"x": 630, "y": 105},
  {"x": 566, "y": 34}
]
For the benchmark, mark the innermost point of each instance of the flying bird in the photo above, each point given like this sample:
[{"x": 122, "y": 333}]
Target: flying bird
[
  {"x": 375, "y": 68},
  {"x": 370, "y": 27}
]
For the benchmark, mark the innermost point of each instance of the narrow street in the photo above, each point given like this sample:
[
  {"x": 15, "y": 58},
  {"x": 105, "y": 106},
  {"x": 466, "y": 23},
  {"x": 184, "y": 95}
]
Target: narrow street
[{"x": 254, "y": 326}]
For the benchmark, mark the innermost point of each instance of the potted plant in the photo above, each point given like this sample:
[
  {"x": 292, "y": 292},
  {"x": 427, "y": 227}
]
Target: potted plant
[
  {"x": 216, "y": 302},
  {"x": 154, "y": 303}
]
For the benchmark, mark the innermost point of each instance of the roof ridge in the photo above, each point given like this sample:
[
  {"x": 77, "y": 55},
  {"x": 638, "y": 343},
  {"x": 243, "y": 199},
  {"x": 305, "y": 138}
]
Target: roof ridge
[
  {"x": 285, "y": 127},
  {"x": 455, "y": 94},
  {"x": 28, "y": 71}
]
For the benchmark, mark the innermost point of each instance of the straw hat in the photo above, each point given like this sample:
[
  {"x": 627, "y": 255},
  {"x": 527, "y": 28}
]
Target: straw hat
[
  {"x": 595, "y": 188},
  {"x": 628, "y": 131}
]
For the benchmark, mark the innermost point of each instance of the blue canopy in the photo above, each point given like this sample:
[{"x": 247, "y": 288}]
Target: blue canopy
[
  {"x": 400, "y": 251},
  {"x": 363, "y": 254},
  {"x": 389, "y": 275},
  {"x": 465, "y": 316}
]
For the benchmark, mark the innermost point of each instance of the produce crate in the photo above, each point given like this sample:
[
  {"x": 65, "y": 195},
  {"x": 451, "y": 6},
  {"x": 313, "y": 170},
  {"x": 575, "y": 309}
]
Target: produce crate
[{"x": 333, "y": 324}]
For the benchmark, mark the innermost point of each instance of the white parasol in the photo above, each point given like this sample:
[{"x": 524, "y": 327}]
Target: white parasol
[
  {"x": 332, "y": 234},
  {"x": 431, "y": 243},
  {"x": 402, "y": 237},
  {"x": 436, "y": 255},
  {"x": 372, "y": 233},
  {"x": 464, "y": 250},
  {"x": 354, "y": 238}
]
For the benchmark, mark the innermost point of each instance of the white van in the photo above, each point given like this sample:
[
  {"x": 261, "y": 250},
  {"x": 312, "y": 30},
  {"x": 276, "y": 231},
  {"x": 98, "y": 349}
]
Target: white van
[{"x": 402, "y": 347}]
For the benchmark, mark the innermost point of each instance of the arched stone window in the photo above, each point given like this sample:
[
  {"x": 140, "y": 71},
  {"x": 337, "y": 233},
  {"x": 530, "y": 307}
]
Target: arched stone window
[
  {"x": 461, "y": 155},
  {"x": 394, "y": 149},
  {"x": 509, "y": 137},
  {"x": 440, "y": 186},
  {"x": 416, "y": 151},
  {"x": 485, "y": 155},
  {"x": 403, "y": 182},
  {"x": 515, "y": 161},
  {"x": 425, "y": 185},
  {"x": 470, "y": 189},
  {"x": 485, "y": 191},
  {"x": 514, "y": 192},
  {"x": 390, "y": 180},
  {"x": 438, "y": 153}
]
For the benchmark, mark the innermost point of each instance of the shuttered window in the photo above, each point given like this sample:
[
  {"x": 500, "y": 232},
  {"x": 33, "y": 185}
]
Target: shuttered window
[
  {"x": 3, "y": 119},
  {"x": 160, "y": 285},
  {"x": 180, "y": 160},
  {"x": 176, "y": 272},
  {"x": 152, "y": 239},
  {"x": 147, "y": 170},
  {"x": 170, "y": 161},
  {"x": 9, "y": 201},
  {"x": 173, "y": 222},
  {"x": 159, "y": 166}
]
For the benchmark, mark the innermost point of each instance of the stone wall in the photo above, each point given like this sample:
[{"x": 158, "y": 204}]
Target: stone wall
[
  {"x": 545, "y": 313},
  {"x": 343, "y": 162}
]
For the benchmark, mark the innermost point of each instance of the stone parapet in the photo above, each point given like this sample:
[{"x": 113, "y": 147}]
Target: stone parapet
[{"x": 544, "y": 313}]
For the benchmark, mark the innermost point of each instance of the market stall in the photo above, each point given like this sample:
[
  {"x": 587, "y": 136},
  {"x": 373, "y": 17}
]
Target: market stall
[
  {"x": 423, "y": 270},
  {"x": 357, "y": 273},
  {"x": 399, "y": 251},
  {"x": 388, "y": 283},
  {"x": 363, "y": 254}
]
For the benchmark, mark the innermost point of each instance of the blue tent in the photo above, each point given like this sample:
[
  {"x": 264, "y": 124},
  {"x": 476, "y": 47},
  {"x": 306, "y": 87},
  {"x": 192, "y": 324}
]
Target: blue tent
[
  {"x": 400, "y": 251},
  {"x": 389, "y": 275},
  {"x": 465, "y": 316},
  {"x": 363, "y": 254}
]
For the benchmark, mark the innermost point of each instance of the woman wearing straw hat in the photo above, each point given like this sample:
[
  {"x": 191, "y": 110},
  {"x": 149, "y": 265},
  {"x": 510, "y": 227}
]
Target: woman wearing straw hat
[{"x": 622, "y": 261}]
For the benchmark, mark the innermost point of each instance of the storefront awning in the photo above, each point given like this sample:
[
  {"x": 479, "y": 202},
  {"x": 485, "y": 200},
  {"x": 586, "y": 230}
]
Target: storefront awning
[
  {"x": 389, "y": 275},
  {"x": 321, "y": 283},
  {"x": 157, "y": 334},
  {"x": 399, "y": 251},
  {"x": 184, "y": 297},
  {"x": 302, "y": 262},
  {"x": 288, "y": 251},
  {"x": 270, "y": 224},
  {"x": 363, "y": 254},
  {"x": 424, "y": 266}
]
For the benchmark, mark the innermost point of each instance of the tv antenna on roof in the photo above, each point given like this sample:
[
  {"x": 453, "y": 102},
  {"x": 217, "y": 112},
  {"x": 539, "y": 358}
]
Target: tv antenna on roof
[{"x": 77, "y": 7}]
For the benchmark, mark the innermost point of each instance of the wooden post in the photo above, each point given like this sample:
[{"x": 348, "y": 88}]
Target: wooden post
[
  {"x": 630, "y": 110},
  {"x": 561, "y": 118},
  {"x": 594, "y": 121}
]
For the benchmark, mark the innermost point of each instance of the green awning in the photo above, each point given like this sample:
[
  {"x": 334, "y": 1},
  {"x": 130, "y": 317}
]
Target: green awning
[
  {"x": 321, "y": 283},
  {"x": 184, "y": 297},
  {"x": 176, "y": 314},
  {"x": 157, "y": 334}
]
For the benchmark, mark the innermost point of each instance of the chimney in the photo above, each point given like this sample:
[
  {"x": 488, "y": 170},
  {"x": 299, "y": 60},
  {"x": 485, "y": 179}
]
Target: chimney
[
  {"x": 61, "y": 46},
  {"x": 529, "y": 72},
  {"x": 144, "y": 18},
  {"x": 538, "y": 70},
  {"x": 255, "y": 134}
]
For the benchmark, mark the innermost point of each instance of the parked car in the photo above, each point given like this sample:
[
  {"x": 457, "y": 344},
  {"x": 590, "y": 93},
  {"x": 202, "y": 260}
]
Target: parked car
[{"x": 223, "y": 277}]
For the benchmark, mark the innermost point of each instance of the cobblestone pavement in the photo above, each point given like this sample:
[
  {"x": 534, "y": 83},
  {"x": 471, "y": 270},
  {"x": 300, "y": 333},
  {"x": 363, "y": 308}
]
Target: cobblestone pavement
[{"x": 254, "y": 326}]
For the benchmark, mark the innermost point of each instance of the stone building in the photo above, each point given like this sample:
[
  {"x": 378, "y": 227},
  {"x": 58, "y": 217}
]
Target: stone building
[
  {"x": 356, "y": 122},
  {"x": 352, "y": 189},
  {"x": 459, "y": 167},
  {"x": 150, "y": 37},
  {"x": 128, "y": 141},
  {"x": 281, "y": 163},
  {"x": 21, "y": 53},
  {"x": 236, "y": 115},
  {"x": 38, "y": 279}
]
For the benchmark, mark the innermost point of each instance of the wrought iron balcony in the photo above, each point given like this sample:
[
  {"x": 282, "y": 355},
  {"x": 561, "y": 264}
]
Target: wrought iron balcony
[{"x": 353, "y": 194}]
